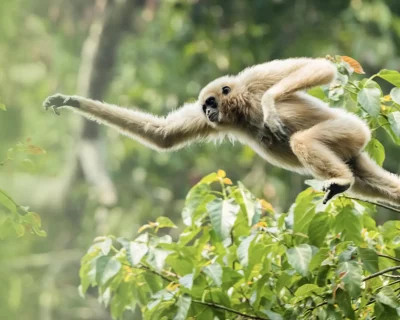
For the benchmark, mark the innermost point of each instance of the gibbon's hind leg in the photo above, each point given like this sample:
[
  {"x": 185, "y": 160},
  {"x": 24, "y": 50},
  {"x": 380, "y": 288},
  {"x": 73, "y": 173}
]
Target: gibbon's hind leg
[{"x": 325, "y": 148}]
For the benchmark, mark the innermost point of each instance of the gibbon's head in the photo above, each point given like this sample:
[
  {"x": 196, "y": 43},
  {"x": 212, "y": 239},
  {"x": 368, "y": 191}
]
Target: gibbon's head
[{"x": 222, "y": 101}]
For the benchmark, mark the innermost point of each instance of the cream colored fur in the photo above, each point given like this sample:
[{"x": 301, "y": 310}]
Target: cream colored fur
[{"x": 264, "y": 99}]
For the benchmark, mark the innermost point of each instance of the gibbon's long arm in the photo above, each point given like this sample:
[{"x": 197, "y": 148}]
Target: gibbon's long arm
[
  {"x": 178, "y": 128},
  {"x": 299, "y": 75}
]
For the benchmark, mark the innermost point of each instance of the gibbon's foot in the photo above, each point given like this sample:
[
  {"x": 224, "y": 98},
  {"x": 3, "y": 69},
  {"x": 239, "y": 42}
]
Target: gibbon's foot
[
  {"x": 333, "y": 187},
  {"x": 277, "y": 128},
  {"x": 59, "y": 100}
]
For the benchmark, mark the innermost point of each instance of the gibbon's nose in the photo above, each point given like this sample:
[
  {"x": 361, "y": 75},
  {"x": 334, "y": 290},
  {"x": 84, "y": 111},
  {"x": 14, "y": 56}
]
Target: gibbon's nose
[{"x": 211, "y": 102}]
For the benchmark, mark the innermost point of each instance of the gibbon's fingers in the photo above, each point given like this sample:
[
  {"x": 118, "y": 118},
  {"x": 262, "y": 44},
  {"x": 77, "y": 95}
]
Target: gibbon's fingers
[
  {"x": 177, "y": 129},
  {"x": 59, "y": 100},
  {"x": 277, "y": 127}
]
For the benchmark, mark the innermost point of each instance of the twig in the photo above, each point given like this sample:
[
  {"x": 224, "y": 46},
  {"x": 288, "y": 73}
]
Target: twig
[
  {"x": 387, "y": 285},
  {"x": 142, "y": 266},
  {"x": 377, "y": 274},
  {"x": 389, "y": 257},
  {"x": 391, "y": 276},
  {"x": 317, "y": 306},
  {"x": 220, "y": 307},
  {"x": 374, "y": 203}
]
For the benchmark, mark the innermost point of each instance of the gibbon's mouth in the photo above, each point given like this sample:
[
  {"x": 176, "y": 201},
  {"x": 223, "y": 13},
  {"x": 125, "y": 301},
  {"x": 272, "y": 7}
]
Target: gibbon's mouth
[{"x": 212, "y": 114}]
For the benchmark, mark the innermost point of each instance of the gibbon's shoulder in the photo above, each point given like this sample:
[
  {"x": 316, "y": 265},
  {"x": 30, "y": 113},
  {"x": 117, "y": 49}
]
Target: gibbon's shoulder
[{"x": 277, "y": 68}]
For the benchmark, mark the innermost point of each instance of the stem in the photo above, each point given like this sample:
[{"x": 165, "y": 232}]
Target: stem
[
  {"x": 9, "y": 198},
  {"x": 220, "y": 307},
  {"x": 374, "y": 203},
  {"x": 389, "y": 284},
  {"x": 391, "y": 276},
  {"x": 317, "y": 306},
  {"x": 388, "y": 257},
  {"x": 142, "y": 266},
  {"x": 348, "y": 90},
  {"x": 223, "y": 189},
  {"x": 369, "y": 79},
  {"x": 379, "y": 273}
]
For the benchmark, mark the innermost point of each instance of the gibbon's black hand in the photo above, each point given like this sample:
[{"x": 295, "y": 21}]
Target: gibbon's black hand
[
  {"x": 59, "y": 100},
  {"x": 333, "y": 189},
  {"x": 277, "y": 128}
]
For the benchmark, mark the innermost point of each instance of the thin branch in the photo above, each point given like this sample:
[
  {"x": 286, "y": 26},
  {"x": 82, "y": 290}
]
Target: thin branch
[
  {"x": 391, "y": 276},
  {"x": 317, "y": 306},
  {"x": 377, "y": 274},
  {"x": 220, "y": 307},
  {"x": 375, "y": 203},
  {"x": 388, "y": 257},
  {"x": 142, "y": 266},
  {"x": 387, "y": 285}
]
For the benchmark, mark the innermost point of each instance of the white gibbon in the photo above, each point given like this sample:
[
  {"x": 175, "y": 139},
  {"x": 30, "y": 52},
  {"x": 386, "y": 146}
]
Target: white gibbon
[{"x": 267, "y": 108}]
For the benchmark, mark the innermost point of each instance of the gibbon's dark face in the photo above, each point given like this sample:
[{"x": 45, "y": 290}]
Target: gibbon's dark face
[{"x": 216, "y": 102}]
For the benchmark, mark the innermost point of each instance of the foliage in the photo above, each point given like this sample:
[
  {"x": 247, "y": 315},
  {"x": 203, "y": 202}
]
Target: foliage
[
  {"x": 14, "y": 218},
  {"x": 237, "y": 257}
]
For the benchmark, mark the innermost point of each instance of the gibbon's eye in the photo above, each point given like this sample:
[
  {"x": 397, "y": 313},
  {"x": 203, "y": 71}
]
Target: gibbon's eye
[{"x": 226, "y": 90}]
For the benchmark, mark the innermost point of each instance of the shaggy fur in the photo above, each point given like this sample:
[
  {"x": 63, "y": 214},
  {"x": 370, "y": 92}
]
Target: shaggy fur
[{"x": 266, "y": 108}]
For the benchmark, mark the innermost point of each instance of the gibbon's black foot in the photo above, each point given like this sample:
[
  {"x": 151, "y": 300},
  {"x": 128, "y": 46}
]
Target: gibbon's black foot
[
  {"x": 334, "y": 187},
  {"x": 58, "y": 100},
  {"x": 277, "y": 128}
]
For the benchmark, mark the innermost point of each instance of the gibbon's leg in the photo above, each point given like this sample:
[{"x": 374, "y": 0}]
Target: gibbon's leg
[
  {"x": 300, "y": 76},
  {"x": 325, "y": 148},
  {"x": 161, "y": 133}
]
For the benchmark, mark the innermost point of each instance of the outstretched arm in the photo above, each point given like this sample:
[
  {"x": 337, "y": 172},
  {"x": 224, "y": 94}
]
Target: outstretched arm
[
  {"x": 300, "y": 74},
  {"x": 178, "y": 128}
]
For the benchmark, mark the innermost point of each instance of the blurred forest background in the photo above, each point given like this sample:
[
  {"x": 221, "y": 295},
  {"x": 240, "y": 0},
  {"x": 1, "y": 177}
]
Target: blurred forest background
[{"x": 152, "y": 54}]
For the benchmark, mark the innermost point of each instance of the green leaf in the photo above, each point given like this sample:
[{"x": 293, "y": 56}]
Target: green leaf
[
  {"x": 304, "y": 211},
  {"x": 156, "y": 258},
  {"x": 344, "y": 302},
  {"x": 394, "y": 120},
  {"x": 184, "y": 303},
  {"x": 214, "y": 271},
  {"x": 243, "y": 250},
  {"x": 7, "y": 201},
  {"x": 164, "y": 222},
  {"x": 351, "y": 275},
  {"x": 106, "y": 268},
  {"x": 223, "y": 215},
  {"x": 187, "y": 281},
  {"x": 391, "y": 76},
  {"x": 28, "y": 165},
  {"x": 369, "y": 99},
  {"x": 391, "y": 230},
  {"x": 349, "y": 224},
  {"x": 308, "y": 290},
  {"x": 272, "y": 315},
  {"x": 136, "y": 251},
  {"x": 317, "y": 92},
  {"x": 319, "y": 228},
  {"x": 388, "y": 296},
  {"x": 299, "y": 258},
  {"x": 384, "y": 312},
  {"x": 376, "y": 151},
  {"x": 369, "y": 259},
  {"x": 3, "y": 107},
  {"x": 105, "y": 246},
  {"x": 395, "y": 95},
  {"x": 250, "y": 204}
]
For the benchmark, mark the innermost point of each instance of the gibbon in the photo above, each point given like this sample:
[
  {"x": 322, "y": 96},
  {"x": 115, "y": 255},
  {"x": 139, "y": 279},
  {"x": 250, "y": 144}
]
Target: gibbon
[{"x": 266, "y": 107}]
